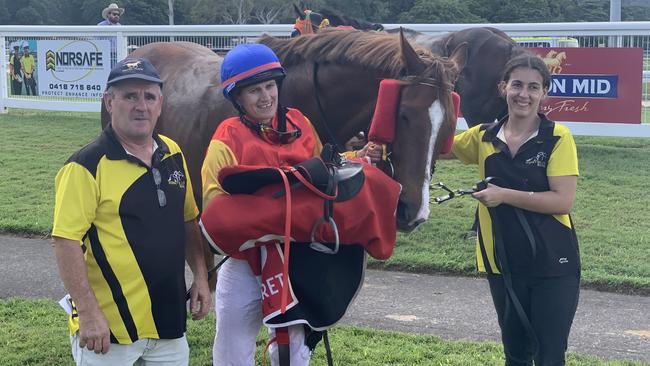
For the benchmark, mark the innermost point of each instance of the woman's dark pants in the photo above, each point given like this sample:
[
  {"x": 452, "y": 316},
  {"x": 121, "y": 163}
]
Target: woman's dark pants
[{"x": 550, "y": 303}]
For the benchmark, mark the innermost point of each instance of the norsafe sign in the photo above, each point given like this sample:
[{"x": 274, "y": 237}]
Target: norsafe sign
[{"x": 73, "y": 68}]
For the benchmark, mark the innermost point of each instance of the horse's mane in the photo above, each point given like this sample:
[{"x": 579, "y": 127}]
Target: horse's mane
[{"x": 378, "y": 51}]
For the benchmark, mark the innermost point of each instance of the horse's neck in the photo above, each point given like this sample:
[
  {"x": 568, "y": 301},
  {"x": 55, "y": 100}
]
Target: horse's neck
[{"x": 347, "y": 96}]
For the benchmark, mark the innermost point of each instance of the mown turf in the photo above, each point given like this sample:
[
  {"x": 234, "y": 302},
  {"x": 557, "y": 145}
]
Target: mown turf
[{"x": 34, "y": 332}]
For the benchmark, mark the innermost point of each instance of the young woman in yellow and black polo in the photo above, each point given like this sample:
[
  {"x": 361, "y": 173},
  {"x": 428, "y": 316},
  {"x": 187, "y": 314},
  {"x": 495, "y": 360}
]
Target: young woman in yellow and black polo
[{"x": 527, "y": 243}]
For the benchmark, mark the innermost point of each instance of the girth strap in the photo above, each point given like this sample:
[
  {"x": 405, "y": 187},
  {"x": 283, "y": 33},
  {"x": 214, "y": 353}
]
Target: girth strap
[{"x": 282, "y": 339}]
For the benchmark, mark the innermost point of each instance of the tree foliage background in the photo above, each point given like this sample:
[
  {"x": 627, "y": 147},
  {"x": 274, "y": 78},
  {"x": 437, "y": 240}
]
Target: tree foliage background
[{"x": 88, "y": 12}]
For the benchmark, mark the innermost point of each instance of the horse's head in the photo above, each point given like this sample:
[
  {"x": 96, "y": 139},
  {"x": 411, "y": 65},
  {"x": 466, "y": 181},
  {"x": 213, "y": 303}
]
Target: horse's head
[
  {"x": 334, "y": 76},
  {"x": 425, "y": 120}
]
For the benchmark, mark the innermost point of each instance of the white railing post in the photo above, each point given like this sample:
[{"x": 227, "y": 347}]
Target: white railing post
[
  {"x": 121, "y": 46},
  {"x": 4, "y": 85}
]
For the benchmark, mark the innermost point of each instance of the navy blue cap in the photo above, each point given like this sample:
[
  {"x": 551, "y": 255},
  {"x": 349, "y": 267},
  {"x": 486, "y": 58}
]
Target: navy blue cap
[{"x": 134, "y": 68}]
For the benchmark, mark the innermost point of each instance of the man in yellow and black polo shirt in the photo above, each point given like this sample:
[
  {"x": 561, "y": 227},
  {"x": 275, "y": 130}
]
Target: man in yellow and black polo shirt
[
  {"x": 123, "y": 216},
  {"x": 28, "y": 64}
]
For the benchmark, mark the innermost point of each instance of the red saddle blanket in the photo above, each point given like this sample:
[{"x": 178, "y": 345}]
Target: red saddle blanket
[
  {"x": 310, "y": 286},
  {"x": 236, "y": 222}
]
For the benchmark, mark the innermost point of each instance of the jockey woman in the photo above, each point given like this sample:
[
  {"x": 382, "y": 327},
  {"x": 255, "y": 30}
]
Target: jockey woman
[{"x": 267, "y": 134}]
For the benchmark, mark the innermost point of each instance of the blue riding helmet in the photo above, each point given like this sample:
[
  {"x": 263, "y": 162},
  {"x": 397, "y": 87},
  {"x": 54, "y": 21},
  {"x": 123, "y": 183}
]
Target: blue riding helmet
[{"x": 249, "y": 64}]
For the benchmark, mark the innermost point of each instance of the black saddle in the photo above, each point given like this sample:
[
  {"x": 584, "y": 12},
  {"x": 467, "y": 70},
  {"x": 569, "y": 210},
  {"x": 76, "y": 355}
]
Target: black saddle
[{"x": 327, "y": 173}]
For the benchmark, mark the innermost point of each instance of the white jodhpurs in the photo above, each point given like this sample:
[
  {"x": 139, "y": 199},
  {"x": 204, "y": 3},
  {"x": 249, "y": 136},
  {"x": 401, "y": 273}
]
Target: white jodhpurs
[{"x": 238, "y": 310}]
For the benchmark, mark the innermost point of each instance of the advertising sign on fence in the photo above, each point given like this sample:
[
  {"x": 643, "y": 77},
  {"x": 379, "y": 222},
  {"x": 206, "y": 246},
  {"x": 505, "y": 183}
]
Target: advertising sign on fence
[
  {"x": 594, "y": 84},
  {"x": 73, "y": 68},
  {"x": 22, "y": 63}
]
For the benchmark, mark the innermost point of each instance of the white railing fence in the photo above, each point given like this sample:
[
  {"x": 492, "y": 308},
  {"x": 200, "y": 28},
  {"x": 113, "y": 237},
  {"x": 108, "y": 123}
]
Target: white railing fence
[{"x": 223, "y": 37}]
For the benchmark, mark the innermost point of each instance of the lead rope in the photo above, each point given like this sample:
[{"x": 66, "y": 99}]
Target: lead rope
[
  {"x": 502, "y": 260},
  {"x": 501, "y": 255}
]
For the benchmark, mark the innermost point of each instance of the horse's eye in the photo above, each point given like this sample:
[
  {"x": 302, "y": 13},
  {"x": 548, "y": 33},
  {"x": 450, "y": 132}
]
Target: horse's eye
[{"x": 403, "y": 117}]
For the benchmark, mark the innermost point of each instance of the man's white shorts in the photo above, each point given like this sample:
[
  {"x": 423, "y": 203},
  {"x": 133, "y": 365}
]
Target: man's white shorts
[{"x": 145, "y": 352}]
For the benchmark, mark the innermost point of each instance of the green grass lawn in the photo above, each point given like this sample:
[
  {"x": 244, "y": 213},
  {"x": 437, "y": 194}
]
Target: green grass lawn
[
  {"x": 34, "y": 332},
  {"x": 611, "y": 213},
  {"x": 34, "y": 146}
]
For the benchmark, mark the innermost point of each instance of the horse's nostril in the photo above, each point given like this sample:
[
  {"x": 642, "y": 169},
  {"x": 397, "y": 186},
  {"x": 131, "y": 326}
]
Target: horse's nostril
[
  {"x": 417, "y": 223},
  {"x": 406, "y": 221},
  {"x": 403, "y": 213}
]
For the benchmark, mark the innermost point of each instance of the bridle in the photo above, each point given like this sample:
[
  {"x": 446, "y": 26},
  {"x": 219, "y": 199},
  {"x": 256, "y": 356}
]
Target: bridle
[
  {"x": 433, "y": 83},
  {"x": 386, "y": 164}
]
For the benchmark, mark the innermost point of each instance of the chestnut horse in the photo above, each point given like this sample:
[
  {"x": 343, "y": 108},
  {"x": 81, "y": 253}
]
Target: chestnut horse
[
  {"x": 489, "y": 49},
  {"x": 333, "y": 78}
]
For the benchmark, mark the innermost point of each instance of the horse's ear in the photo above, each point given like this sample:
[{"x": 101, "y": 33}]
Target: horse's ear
[
  {"x": 414, "y": 66},
  {"x": 459, "y": 56},
  {"x": 300, "y": 13}
]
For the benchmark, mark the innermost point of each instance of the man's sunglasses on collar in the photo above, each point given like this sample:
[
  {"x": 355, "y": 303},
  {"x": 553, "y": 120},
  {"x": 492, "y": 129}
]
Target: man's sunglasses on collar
[{"x": 157, "y": 179}]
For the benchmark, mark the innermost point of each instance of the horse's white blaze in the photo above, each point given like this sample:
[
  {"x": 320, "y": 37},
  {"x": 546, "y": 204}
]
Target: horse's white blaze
[{"x": 436, "y": 115}]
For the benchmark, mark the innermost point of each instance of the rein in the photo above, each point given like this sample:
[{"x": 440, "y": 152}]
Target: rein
[{"x": 321, "y": 111}]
